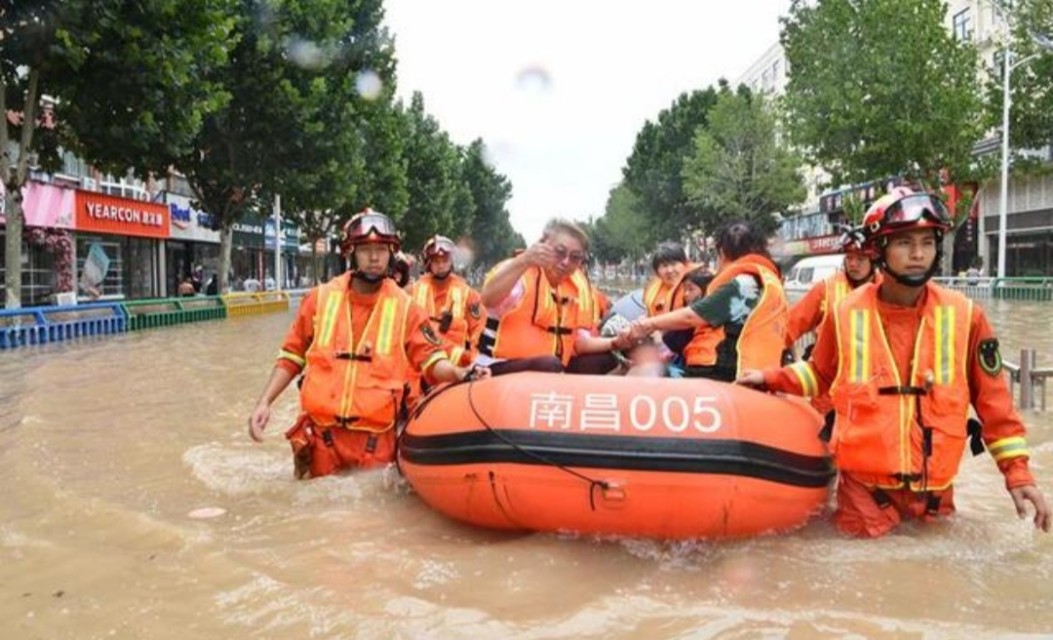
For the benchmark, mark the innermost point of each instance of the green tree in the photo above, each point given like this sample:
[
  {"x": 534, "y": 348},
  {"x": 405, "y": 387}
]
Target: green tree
[
  {"x": 880, "y": 88},
  {"x": 491, "y": 230},
  {"x": 1031, "y": 85},
  {"x": 438, "y": 197},
  {"x": 654, "y": 169},
  {"x": 295, "y": 121},
  {"x": 738, "y": 168},
  {"x": 131, "y": 84},
  {"x": 624, "y": 230}
]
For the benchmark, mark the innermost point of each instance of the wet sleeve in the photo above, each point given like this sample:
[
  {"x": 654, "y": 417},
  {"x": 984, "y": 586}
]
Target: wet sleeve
[
  {"x": 810, "y": 377},
  {"x": 1003, "y": 431},
  {"x": 423, "y": 345},
  {"x": 806, "y": 314},
  {"x": 292, "y": 356}
]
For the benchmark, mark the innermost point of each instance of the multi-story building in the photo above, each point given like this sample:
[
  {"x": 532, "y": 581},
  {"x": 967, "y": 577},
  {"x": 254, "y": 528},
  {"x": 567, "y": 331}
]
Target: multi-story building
[{"x": 1029, "y": 229}]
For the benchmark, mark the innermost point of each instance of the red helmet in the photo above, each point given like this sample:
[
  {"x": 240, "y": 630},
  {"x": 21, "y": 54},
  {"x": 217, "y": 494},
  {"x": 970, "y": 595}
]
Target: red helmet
[
  {"x": 853, "y": 240},
  {"x": 436, "y": 245},
  {"x": 903, "y": 208},
  {"x": 369, "y": 226}
]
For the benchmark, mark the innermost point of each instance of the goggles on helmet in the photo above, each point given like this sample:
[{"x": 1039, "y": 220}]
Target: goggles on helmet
[
  {"x": 370, "y": 226},
  {"x": 437, "y": 245},
  {"x": 910, "y": 211}
]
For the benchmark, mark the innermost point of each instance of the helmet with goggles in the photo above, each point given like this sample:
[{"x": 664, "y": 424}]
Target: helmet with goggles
[
  {"x": 903, "y": 209},
  {"x": 437, "y": 245},
  {"x": 369, "y": 226}
]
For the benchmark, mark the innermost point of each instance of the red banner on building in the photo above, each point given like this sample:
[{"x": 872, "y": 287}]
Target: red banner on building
[{"x": 120, "y": 216}]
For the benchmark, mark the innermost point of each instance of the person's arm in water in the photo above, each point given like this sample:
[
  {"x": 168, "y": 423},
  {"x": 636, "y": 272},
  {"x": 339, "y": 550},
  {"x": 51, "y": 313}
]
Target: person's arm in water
[{"x": 291, "y": 360}]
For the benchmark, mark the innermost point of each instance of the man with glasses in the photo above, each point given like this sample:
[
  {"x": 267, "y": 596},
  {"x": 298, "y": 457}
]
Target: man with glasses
[
  {"x": 903, "y": 360},
  {"x": 541, "y": 311},
  {"x": 357, "y": 339}
]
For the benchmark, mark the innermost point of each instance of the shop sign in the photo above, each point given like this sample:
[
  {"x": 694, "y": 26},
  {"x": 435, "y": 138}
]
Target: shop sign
[
  {"x": 188, "y": 222},
  {"x": 248, "y": 234},
  {"x": 120, "y": 216},
  {"x": 44, "y": 205},
  {"x": 290, "y": 236}
]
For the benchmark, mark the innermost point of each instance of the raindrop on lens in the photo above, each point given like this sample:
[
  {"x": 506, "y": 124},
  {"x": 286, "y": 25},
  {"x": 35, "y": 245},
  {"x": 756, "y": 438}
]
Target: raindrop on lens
[
  {"x": 534, "y": 79},
  {"x": 369, "y": 85}
]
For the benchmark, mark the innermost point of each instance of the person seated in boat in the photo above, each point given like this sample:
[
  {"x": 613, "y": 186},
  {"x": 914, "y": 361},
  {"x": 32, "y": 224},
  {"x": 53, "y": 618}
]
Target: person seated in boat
[
  {"x": 693, "y": 287},
  {"x": 669, "y": 263},
  {"x": 541, "y": 311},
  {"x": 903, "y": 360},
  {"x": 355, "y": 339},
  {"x": 745, "y": 300}
]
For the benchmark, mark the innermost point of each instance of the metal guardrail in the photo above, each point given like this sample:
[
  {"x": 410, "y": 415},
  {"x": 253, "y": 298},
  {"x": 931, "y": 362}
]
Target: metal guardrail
[
  {"x": 254, "y": 304},
  {"x": 40, "y": 325},
  {"x": 1029, "y": 377},
  {"x": 987, "y": 288},
  {"x": 163, "y": 312}
]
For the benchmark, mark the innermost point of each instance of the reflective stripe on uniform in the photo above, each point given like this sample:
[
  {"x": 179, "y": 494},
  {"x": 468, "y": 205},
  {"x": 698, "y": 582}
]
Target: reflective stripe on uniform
[
  {"x": 385, "y": 334},
  {"x": 1011, "y": 447},
  {"x": 859, "y": 357},
  {"x": 329, "y": 315},
  {"x": 944, "y": 351},
  {"x": 806, "y": 377},
  {"x": 292, "y": 357}
]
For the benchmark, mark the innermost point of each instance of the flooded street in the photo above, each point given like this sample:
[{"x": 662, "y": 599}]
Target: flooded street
[{"x": 109, "y": 448}]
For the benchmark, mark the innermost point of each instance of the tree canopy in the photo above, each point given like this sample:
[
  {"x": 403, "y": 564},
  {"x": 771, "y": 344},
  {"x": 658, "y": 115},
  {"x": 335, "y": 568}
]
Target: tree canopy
[{"x": 880, "y": 88}]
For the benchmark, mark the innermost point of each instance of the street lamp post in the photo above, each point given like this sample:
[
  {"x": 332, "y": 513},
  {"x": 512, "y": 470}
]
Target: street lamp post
[{"x": 1003, "y": 194}]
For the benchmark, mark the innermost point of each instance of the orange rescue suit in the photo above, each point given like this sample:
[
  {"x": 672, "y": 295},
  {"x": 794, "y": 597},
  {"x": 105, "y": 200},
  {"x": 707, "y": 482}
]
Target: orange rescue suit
[
  {"x": 544, "y": 321},
  {"x": 467, "y": 316},
  {"x": 902, "y": 380}
]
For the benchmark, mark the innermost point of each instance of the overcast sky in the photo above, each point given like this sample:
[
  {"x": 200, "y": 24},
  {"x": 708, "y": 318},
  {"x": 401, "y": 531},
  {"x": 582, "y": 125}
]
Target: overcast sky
[{"x": 558, "y": 89}]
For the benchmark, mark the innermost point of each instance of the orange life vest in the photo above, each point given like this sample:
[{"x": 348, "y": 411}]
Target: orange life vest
[
  {"x": 544, "y": 321},
  {"x": 357, "y": 388},
  {"x": 657, "y": 297},
  {"x": 877, "y": 436},
  {"x": 763, "y": 336},
  {"x": 455, "y": 338}
]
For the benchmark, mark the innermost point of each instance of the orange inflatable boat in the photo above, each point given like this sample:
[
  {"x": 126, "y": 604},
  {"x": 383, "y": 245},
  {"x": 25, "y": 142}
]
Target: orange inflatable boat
[{"x": 654, "y": 457}]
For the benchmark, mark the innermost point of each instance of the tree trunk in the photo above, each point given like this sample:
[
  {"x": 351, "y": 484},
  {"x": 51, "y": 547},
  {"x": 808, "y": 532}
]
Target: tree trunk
[
  {"x": 13, "y": 248},
  {"x": 226, "y": 243},
  {"x": 314, "y": 261}
]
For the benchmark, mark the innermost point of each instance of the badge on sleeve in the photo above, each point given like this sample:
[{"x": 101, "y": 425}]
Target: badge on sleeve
[
  {"x": 476, "y": 310},
  {"x": 990, "y": 357},
  {"x": 429, "y": 334}
]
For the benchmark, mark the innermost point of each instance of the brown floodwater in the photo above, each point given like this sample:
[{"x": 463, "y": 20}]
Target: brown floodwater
[{"x": 109, "y": 449}]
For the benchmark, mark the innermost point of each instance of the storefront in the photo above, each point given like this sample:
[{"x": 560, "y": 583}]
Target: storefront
[
  {"x": 1029, "y": 244},
  {"x": 47, "y": 245},
  {"x": 252, "y": 256},
  {"x": 192, "y": 243},
  {"x": 119, "y": 246}
]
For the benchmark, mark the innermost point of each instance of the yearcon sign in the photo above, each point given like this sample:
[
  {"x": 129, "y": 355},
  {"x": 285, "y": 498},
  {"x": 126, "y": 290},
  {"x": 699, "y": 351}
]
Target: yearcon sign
[{"x": 109, "y": 214}]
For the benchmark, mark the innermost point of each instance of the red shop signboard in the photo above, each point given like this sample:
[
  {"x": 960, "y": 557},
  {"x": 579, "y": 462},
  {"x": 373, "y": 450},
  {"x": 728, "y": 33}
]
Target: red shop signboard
[{"x": 121, "y": 216}]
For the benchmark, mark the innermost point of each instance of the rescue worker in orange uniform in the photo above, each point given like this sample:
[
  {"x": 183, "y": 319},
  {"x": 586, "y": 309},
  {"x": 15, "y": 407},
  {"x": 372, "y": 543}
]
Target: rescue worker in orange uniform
[
  {"x": 541, "y": 313},
  {"x": 810, "y": 310},
  {"x": 745, "y": 301},
  {"x": 455, "y": 309},
  {"x": 356, "y": 339},
  {"x": 903, "y": 360},
  {"x": 669, "y": 264}
]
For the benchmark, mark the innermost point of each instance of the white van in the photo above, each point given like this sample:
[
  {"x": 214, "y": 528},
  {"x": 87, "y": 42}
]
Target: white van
[{"x": 807, "y": 272}]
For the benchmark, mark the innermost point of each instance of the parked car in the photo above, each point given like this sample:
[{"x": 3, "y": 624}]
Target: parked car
[{"x": 803, "y": 275}]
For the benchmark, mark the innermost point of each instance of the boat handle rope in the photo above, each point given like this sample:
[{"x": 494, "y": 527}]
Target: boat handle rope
[{"x": 593, "y": 483}]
